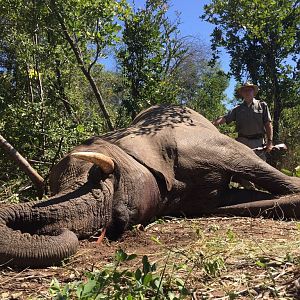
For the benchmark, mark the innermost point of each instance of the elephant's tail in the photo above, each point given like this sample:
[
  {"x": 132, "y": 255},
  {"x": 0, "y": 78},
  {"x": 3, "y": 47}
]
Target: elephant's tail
[{"x": 21, "y": 246}]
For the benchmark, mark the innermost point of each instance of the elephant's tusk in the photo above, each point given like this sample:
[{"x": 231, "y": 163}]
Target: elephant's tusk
[{"x": 104, "y": 162}]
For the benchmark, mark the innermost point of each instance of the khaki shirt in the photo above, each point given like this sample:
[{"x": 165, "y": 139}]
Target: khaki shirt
[{"x": 250, "y": 121}]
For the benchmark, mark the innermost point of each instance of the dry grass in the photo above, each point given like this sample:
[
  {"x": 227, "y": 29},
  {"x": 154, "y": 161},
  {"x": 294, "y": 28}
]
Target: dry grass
[{"x": 217, "y": 258}]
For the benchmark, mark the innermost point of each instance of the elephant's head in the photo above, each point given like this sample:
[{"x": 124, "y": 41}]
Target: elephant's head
[{"x": 89, "y": 190}]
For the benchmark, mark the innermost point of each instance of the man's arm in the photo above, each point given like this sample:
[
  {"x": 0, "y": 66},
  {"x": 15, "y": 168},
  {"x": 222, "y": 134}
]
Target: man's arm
[
  {"x": 228, "y": 118},
  {"x": 269, "y": 133},
  {"x": 268, "y": 126}
]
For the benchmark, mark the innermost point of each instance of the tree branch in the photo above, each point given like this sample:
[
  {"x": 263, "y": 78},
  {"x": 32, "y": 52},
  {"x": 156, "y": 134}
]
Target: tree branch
[{"x": 24, "y": 165}]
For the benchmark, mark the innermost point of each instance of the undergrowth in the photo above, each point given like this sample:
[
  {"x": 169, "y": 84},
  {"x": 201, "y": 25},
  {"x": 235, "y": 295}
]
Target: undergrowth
[
  {"x": 115, "y": 282},
  {"x": 229, "y": 258}
]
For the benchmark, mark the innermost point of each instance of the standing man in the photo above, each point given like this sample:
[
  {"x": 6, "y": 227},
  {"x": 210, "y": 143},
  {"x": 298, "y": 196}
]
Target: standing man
[{"x": 253, "y": 120}]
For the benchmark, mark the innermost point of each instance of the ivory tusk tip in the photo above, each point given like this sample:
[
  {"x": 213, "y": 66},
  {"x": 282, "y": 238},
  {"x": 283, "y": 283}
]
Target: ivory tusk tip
[{"x": 103, "y": 161}]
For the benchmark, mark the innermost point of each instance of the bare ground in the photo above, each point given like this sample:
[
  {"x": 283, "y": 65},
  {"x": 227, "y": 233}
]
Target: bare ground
[{"x": 218, "y": 258}]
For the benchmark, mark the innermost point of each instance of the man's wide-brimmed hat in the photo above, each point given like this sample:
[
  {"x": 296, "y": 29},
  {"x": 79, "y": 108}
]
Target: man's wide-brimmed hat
[{"x": 247, "y": 85}]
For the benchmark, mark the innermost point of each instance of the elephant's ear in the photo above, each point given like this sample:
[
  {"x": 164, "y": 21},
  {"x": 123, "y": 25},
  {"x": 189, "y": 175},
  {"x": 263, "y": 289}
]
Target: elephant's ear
[{"x": 156, "y": 154}]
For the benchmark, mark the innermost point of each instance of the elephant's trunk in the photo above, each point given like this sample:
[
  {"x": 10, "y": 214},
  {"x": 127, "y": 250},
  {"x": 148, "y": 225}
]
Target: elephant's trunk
[
  {"x": 20, "y": 246},
  {"x": 39, "y": 234}
]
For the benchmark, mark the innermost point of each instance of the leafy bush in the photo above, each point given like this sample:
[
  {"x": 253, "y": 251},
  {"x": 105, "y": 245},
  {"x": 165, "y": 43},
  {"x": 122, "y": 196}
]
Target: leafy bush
[
  {"x": 295, "y": 172},
  {"x": 113, "y": 282}
]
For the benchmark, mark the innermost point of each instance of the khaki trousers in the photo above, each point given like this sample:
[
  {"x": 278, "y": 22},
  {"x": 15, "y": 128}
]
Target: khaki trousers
[
  {"x": 254, "y": 143},
  {"x": 251, "y": 143}
]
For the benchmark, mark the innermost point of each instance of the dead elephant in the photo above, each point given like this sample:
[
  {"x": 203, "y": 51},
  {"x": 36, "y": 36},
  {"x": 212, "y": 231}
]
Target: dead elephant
[{"x": 170, "y": 161}]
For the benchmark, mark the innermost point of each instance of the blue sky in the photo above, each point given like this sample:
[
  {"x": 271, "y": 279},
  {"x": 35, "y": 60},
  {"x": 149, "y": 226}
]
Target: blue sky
[
  {"x": 192, "y": 24},
  {"x": 191, "y": 10}
]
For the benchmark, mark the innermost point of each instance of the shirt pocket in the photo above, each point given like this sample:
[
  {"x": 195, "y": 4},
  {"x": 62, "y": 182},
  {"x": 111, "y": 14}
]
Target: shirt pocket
[
  {"x": 258, "y": 117},
  {"x": 241, "y": 116}
]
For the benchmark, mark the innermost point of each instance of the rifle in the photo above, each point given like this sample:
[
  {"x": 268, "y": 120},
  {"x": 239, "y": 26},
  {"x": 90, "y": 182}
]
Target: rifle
[
  {"x": 279, "y": 147},
  {"x": 274, "y": 156}
]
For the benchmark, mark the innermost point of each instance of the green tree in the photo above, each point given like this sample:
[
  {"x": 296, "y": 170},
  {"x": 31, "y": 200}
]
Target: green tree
[
  {"x": 202, "y": 86},
  {"x": 261, "y": 36},
  {"x": 114, "y": 92},
  {"x": 150, "y": 54},
  {"x": 89, "y": 27},
  {"x": 43, "y": 105}
]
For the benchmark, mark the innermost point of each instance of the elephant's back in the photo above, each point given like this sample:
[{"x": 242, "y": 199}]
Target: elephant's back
[{"x": 160, "y": 116}]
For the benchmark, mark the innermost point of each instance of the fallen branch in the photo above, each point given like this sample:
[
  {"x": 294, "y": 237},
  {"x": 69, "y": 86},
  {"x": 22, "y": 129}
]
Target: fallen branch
[{"x": 24, "y": 165}]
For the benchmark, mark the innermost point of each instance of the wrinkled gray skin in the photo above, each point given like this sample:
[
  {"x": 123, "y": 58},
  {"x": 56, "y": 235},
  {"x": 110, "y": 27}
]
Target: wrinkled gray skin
[{"x": 171, "y": 161}]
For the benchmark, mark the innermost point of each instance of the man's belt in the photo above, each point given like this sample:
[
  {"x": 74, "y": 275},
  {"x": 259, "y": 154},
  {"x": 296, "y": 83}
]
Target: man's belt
[{"x": 252, "y": 137}]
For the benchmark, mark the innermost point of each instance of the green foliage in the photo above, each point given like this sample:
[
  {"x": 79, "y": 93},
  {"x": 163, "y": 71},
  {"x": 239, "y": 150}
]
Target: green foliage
[
  {"x": 202, "y": 86},
  {"x": 209, "y": 96},
  {"x": 35, "y": 129},
  {"x": 88, "y": 33},
  {"x": 149, "y": 56},
  {"x": 114, "y": 92},
  {"x": 290, "y": 124},
  {"x": 295, "y": 172},
  {"x": 213, "y": 267},
  {"x": 253, "y": 30},
  {"x": 114, "y": 282}
]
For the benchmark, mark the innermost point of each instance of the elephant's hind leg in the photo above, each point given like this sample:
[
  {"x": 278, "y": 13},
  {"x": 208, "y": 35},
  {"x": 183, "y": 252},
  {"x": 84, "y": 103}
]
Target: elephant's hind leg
[{"x": 255, "y": 204}]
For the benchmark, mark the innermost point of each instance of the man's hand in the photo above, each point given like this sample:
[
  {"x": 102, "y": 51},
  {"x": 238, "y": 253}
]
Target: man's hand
[
  {"x": 269, "y": 133},
  {"x": 219, "y": 121},
  {"x": 269, "y": 146}
]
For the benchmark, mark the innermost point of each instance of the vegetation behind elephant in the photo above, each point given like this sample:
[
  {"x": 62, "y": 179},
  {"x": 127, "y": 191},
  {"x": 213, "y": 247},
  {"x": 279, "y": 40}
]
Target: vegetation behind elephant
[{"x": 170, "y": 161}]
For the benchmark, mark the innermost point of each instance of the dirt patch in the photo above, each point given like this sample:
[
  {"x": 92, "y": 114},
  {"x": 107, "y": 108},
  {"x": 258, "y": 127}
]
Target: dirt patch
[{"x": 218, "y": 258}]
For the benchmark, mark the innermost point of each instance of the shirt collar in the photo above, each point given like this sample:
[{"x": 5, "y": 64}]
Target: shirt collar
[{"x": 254, "y": 101}]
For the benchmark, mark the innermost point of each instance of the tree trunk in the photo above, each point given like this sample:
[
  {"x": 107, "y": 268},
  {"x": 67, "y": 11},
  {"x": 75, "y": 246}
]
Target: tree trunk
[
  {"x": 98, "y": 96},
  {"x": 30, "y": 89},
  {"x": 42, "y": 116},
  {"x": 61, "y": 91},
  {"x": 277, "y": 114},
  {"x": 277, "y": 104},
  {"x": 14, "y": 155}
]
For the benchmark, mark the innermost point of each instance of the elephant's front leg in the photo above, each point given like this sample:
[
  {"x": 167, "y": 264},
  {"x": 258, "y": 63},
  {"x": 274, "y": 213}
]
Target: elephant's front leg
[
  {"x": 248, "y": 203},
  {"x": 243, "y": 164}
]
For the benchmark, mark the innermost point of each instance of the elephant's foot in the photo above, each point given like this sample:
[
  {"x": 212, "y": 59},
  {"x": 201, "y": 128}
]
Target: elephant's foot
[{"x": 285, "y": 207}]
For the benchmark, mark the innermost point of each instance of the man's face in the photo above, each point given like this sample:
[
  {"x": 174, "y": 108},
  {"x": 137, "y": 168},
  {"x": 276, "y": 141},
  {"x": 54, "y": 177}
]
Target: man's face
[{"x": 247, "y": 93}]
